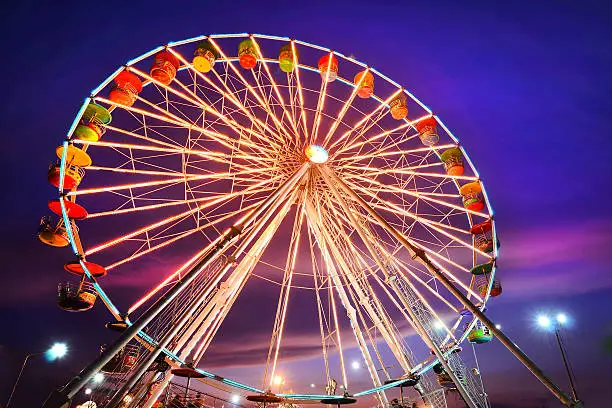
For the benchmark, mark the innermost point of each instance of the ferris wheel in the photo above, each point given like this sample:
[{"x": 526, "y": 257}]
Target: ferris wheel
[{"x": 268, "y": 174}]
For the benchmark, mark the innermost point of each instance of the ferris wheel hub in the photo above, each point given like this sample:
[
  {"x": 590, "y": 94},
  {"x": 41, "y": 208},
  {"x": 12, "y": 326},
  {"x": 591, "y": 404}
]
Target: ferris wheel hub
[{"x": 316, "y": 154}]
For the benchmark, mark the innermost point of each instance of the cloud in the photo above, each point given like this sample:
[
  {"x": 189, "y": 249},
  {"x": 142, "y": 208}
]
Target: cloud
[{"x": 556, "y": 260}]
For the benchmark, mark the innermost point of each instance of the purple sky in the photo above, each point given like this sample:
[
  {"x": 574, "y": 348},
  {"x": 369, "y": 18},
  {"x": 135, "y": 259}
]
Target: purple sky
[{"x": 526, "y": 88}]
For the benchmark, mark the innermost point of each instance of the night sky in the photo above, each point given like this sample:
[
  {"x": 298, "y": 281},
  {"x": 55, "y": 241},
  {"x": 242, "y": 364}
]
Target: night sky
[{"x": 526, "y": 88}]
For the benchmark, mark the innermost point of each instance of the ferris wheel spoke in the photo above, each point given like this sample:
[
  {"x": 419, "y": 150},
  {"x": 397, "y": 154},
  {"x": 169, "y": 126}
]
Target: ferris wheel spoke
[
  {"x": 167, "y": 118},
  {"x": 194, "y": 99},
  {"x": 167, "y": 183},
  {"x": 399, "y": 236},
  {"x": 163, "y": 204},
  {"x": 187, "y": 176},
  {"x": 300, "y": 92},
  {"x": 338, "y": 287},
  {"x": 287, "y": 114},
  {"x": 363, "y": 293},
  {"x": 321, "y": 101},
  {"x": 341, "y": 113},
  {"x": 246, "y": 265},
  {"x": 319, "y": 285},
  {"x": 404, "y": 128},
  {"x": 167, "y": 240},
  {"x": 345, "y": 136},
  {"x": 421, "y": 195},
  {"x": 146, "y": 137},
  {"x": 283, "y": 299},
  {"x": 375, "y": 171},
  {"x": 207, "y": 204},
  {"x": 229, "y": 95},
  {"x": 203, "y": 155},
  {"x": 441, "y": 228},
  {"x": 398, "y": 262},
  {"x": 251, "y": 90},
  {"x": 372, "y": 246},
  {"x": 380, "y": 154}
]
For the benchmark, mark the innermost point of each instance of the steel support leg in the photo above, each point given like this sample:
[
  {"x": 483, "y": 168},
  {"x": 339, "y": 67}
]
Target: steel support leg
[{"x": 418, "y": 253}]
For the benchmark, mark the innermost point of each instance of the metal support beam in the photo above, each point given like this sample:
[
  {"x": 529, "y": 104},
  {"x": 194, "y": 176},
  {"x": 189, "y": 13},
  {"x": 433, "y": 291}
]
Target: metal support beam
[
  {"x": 415, "y": 322},
  {"x": 61, "y": 398},
  {"x": 418, "y": 253}
]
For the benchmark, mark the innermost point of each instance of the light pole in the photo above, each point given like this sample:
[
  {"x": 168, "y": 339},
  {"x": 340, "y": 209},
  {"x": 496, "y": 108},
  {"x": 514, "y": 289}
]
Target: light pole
[
  {"x": 57, "y": 350},
  {"x": 555, "y": 323}
]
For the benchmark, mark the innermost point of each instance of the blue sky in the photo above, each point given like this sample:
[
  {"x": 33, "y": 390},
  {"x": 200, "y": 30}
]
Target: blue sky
[{"x": 525, "y": 87}]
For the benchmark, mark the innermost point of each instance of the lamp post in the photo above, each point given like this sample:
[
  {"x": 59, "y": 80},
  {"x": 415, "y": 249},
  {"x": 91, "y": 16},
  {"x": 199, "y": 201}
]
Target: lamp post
[
  {"x": 555, "y": 323},
  {"x": 57, "y": 350}
]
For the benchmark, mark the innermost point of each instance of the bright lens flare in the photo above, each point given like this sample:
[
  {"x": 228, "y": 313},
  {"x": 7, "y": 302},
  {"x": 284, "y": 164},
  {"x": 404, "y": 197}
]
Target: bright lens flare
[
  {"x": 58, "y": 350},
  {"x": 355, "y": 365},
  {"x": 235, "y": 398},
  {"x": 316, "y": 154},
  {"x": 561, "y": 318},
  {"x": 278, "y": 380},
  {"x": 98, "y": 378},
  {"x": 544, "y": 321}
]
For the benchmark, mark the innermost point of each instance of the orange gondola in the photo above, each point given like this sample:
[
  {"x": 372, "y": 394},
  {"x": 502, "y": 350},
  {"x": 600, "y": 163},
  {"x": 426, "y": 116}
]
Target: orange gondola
[
  {"x": 247, "y": 54},
  {"x": 472, "y": 200},
  {"x": 399, "y": 107},
  {"x": 76, "y": 159},
  {"x": 427, "y": 131},
  {"x": 127, "y": 86},
  {"x": 453, "y": 161},
  {"x": 328, "y": 65},
  {"x": 53, "y": 234},
  {"x": 482, "y": 241},
  {"x": 164, "y": 68},
  {"x": 365, "y": 84}
]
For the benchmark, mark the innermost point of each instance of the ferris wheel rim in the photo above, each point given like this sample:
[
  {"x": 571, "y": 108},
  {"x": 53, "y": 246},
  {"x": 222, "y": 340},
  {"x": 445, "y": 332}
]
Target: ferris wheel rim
[{"x": 94, "y": 98}]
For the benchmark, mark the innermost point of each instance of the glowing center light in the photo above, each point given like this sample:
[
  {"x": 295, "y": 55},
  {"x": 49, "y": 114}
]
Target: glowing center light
[
  {"x": 278, "y": 380},
  {"x": 316, "y": 154},
  {"x": 561, "y": 318},
  {"x": 235, "y": 398},
  {"x": 98, "y": 378}
]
